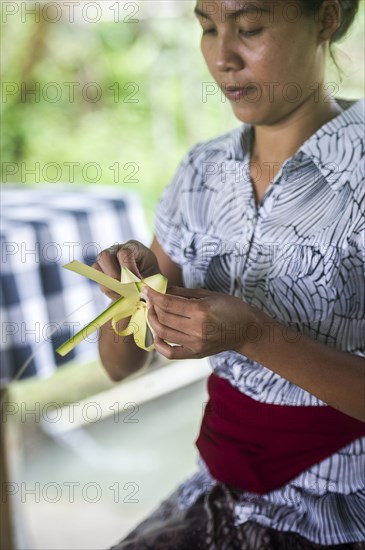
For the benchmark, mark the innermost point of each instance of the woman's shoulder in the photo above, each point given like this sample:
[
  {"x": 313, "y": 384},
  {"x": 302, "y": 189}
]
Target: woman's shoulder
[
  {"x": 350, "y": 122},
  {"x": 348, "y": 103},
  {"x": 353, "y": 115},
  {"x": 338, "y": 147}
]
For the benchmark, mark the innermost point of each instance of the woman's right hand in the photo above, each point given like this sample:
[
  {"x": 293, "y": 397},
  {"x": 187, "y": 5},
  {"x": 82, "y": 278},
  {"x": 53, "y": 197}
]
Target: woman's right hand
[{"x": 132, "y": 254}]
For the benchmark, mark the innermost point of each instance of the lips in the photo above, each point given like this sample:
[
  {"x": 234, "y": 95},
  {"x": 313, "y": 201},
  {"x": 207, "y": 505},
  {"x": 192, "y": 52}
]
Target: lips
[{"x": 235, "y": 92}]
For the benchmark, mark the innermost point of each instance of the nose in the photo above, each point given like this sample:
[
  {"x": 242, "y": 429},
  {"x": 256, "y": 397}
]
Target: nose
[{"x": 227, "y": 56}]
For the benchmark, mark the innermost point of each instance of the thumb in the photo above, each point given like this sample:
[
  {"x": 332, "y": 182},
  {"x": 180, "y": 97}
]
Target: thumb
[{"x": 128, "y": 255}]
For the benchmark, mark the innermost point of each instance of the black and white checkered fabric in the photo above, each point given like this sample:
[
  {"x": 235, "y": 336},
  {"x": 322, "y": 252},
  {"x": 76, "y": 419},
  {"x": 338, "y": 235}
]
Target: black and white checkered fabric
[{"x": 41, "y": 303}]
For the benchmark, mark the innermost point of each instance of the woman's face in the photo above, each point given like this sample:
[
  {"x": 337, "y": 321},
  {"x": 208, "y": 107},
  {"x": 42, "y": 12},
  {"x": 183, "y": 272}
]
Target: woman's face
[{"x": 269, "y": 47}]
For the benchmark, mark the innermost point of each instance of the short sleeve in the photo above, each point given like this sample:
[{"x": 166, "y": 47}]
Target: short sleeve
[{"x": 168, "y": 220}]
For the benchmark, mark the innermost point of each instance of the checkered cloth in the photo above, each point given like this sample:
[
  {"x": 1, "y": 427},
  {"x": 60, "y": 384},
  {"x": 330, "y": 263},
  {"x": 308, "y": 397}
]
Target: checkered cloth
[{"x": 41, "y": 304}]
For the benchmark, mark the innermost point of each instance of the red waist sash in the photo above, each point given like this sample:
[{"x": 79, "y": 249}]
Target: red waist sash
[{"x": 259, "y": 447}]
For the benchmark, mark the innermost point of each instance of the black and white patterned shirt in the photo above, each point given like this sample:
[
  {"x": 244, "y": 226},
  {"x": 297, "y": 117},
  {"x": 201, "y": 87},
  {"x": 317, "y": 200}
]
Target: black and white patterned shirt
[{"x": 299, "y": 256}]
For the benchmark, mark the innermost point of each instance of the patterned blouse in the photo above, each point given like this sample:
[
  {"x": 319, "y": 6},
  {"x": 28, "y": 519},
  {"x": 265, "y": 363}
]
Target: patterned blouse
[{"x": 299, "y": 256}]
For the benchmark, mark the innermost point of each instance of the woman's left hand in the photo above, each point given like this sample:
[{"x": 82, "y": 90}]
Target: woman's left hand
[{"x": 200, "y": 321}]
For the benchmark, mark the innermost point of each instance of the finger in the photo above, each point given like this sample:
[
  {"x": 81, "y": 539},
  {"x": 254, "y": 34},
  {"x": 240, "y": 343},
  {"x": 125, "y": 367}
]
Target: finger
[
  {"x": 172, "y": 352},
  {"x": 129, "y": 254},
  {"x": 188, "y": 292},
  {"x": 168, "y": 302},
  {"x": 109, "y": 264},
  {"x": 166, "y": 332},
  {"x": 175, "y": 322},
  {"x": 112, "y": 295}
]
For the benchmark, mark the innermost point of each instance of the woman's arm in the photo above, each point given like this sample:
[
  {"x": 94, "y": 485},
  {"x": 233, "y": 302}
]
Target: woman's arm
[
  {"x": 204, "y": 323},
  {"x": 120, "y": 355},
  {"x": 332, "y": 375}
]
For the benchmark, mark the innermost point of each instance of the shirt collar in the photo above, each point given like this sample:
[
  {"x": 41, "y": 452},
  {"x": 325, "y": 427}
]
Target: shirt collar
[
  {"x": 337, "y": 147},
  {"x": 239, "y": 144},
  {"x": 323, "y": 146}
]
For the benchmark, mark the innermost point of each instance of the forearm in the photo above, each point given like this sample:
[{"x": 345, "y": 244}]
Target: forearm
[
  {"x": 335, "y": 377},
  {"x": 120, "y": 355}
]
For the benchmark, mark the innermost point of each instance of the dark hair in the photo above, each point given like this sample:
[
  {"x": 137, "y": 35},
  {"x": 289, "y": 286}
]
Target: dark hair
[{"x": 349, "y": 9}]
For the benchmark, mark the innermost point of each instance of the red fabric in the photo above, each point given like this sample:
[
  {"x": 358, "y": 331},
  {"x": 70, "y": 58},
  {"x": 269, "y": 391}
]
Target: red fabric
[{"x": 259, "y": 447}]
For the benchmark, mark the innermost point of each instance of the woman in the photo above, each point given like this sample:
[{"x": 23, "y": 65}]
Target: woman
[{"x": 264, "y": 227}]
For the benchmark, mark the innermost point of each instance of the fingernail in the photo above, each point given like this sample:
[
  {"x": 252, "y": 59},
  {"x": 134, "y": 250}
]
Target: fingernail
[{"x": 144, "y": 293}]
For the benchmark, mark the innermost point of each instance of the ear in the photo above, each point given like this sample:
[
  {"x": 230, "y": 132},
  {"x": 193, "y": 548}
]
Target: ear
[{"x": 329, "y": 19}]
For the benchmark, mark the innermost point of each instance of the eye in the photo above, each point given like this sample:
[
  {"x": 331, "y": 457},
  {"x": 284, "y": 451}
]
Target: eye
[
  {"x": 208, "y": 31},
  {"x": 250, "y": 33}
]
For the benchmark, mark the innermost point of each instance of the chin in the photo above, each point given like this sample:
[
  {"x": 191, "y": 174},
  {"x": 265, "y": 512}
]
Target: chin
[
  {"x": 253, "y": 114},
  {"x": 248, "y": 114}
]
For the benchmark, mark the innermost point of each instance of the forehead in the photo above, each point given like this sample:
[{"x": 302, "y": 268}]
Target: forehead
[
  {"x": 231, "y": 7},
  {"x": 237, "y": 4},
  {"x": 266, "y": 11}
]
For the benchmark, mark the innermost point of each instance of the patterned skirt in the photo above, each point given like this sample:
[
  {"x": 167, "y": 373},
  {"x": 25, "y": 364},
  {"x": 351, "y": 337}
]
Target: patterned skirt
[{"x": 209, "y": 525}]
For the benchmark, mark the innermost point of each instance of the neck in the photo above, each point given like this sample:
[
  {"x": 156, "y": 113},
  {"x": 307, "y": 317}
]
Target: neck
[{"x": 278, "y": 142}]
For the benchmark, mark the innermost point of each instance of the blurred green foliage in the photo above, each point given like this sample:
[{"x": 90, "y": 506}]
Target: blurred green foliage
[{"x": 143, "y": 112}]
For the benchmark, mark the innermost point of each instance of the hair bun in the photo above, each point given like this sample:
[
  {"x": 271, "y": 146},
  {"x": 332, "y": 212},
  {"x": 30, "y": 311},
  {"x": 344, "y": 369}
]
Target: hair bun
[{"x": 349, "y": 10}]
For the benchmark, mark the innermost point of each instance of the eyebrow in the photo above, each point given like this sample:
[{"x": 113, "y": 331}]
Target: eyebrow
[{"x": 233, "y": 14}]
